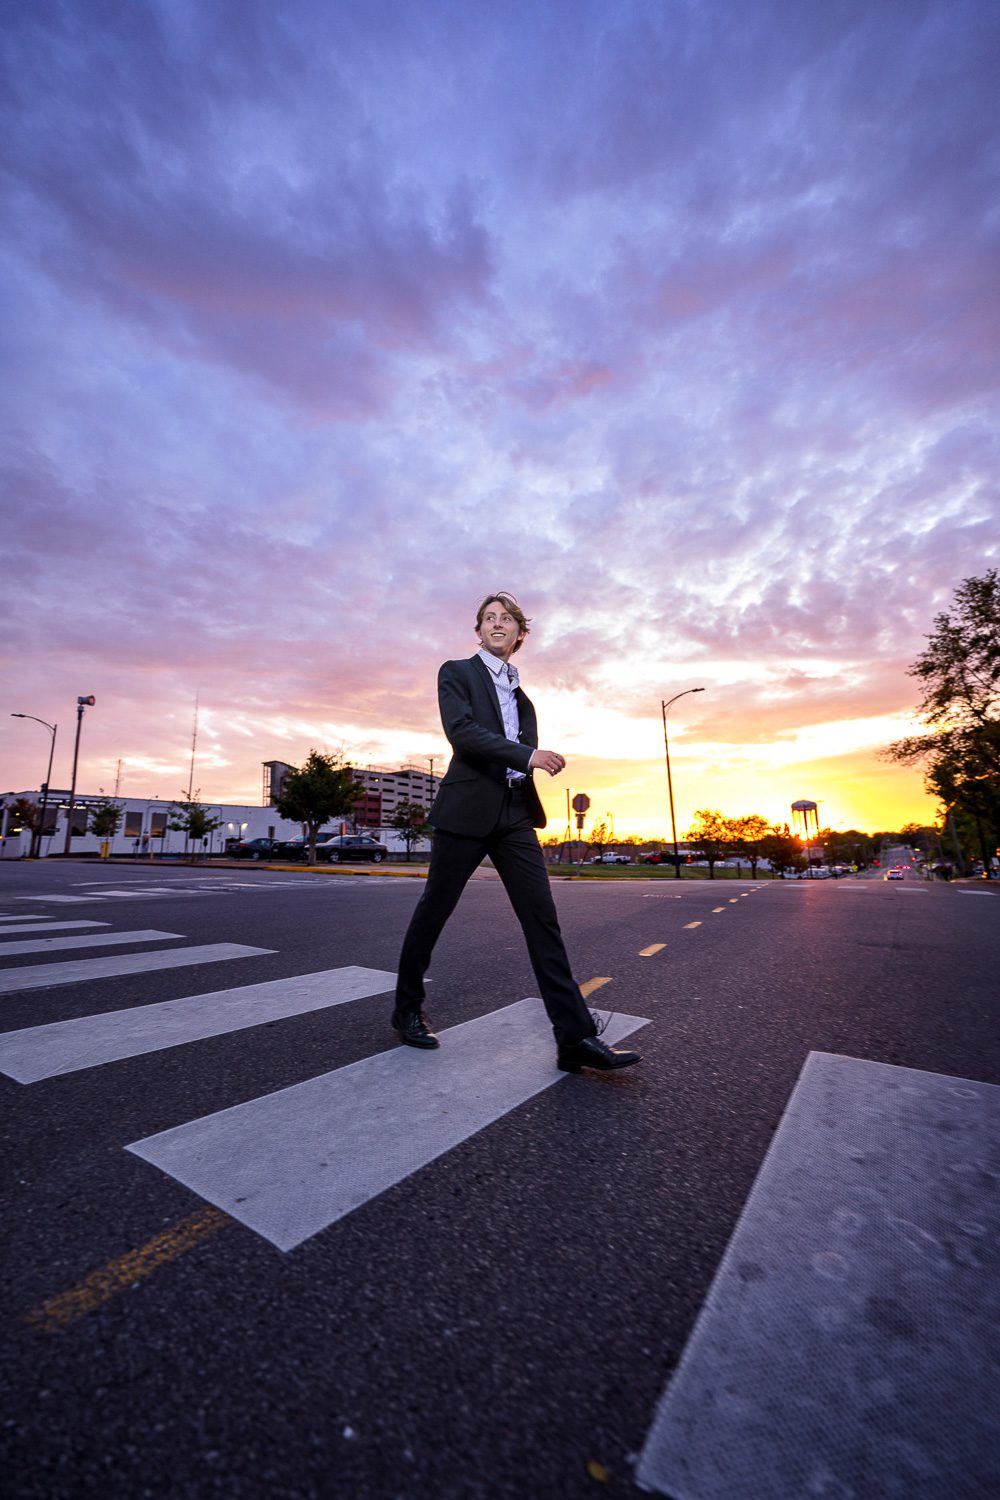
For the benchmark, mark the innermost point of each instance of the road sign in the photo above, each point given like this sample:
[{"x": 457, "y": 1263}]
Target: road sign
[
  {"x": 579, "y": 820},
  {"x": 580, "y": 803}
]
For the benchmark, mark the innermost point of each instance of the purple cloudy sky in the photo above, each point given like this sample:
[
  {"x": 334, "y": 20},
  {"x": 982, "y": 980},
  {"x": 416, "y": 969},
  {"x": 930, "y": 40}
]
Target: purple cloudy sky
[{"x": 679, "y": 319}]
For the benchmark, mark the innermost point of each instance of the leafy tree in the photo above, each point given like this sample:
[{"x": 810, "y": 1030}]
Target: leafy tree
[
  {"x": 849, "y": 846},
  {"x": 29, "y": 815},
  {"x": 192, "y": 818},
  {"x": 27, "y": 812},
  {"x": 712, "y": 833},
  {"x": 410, "y": 820},
  {"x": 782, "y": 849},
  {"x": 960, "y": 668},
  {"x": 746, "y": 834},
  {"x": 321, "y": 789},
  {"x": 105, "y": 816},
  {"x": 959, "y": 673},
  {"x": 599, "y": 835}
]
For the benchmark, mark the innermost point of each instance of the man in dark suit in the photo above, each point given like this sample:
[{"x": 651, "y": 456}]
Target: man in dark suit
[{"x": 487, "y": 805}]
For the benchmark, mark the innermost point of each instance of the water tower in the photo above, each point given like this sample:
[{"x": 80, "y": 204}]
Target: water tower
[{"x": 805, "y": 814}]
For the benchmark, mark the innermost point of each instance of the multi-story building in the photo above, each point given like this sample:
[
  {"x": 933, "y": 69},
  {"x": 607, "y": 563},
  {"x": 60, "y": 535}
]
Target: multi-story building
[{"x": 389, "y": 788}]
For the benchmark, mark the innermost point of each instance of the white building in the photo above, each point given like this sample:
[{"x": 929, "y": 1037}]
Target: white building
[{"x": 144, "y": 827}]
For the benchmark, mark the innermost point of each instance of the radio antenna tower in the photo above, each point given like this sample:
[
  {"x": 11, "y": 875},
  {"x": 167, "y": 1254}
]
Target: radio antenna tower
[{"x": 194, "y": 742}]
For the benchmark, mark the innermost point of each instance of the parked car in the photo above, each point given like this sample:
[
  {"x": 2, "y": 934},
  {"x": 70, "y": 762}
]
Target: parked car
[
  {"x": 609, "y": 858},
  {"x": 656, "y": 857},
  {"x": 292, "y": 849},
  {"x": 351, "y": 846},
  {"x": 254, "y": 849}
]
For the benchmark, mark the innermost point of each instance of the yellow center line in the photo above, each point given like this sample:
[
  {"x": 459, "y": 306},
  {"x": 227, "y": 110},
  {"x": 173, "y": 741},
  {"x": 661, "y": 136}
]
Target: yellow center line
[
  {"x": 692, "y": 924},
  {"x": 733, "y": 900},
  {"x": 653, "y": 948},
  {"x": 101, "y": 1285},
  {"x": 718, "y": 908},
  {"x": 590, "y": 985}
]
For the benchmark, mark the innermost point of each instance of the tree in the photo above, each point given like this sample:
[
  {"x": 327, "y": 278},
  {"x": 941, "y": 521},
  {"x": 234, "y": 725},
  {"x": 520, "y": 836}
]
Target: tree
[
  {"x": 105, "y": 817},
  {"x": 848, "y": 846},
  {"x": 192, "y": 818},
  {"x": 959, "y": 673},
  {"x": 782, "y": 849},
  {"x": 28, "y": 815},
  {"x": 312, "y": 794},
  {"x": 599, "y": 835},
  {"x": 410, "y": 820},
  {"x": 712, "y": 833},
  {"x": 747, "y": 834}
]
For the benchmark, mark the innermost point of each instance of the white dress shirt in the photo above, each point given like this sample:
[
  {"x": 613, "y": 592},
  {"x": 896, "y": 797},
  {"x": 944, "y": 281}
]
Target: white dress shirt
[{"x": 505, "y": 680}]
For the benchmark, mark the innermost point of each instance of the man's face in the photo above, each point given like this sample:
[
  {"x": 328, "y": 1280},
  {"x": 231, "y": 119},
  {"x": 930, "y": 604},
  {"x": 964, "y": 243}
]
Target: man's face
[{"x": 499, "y": 631}]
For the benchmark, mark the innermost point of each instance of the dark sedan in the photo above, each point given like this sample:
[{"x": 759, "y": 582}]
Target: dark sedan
[
  {"x": 348, "y": 847},
  {"x": 254, "y": 849}
]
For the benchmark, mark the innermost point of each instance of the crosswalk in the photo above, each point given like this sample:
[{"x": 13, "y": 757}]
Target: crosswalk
[
  {"x": 868, "y": 1216},
  {"x": 291, "y": 1163},
  {"x": 89, "y": 892}
]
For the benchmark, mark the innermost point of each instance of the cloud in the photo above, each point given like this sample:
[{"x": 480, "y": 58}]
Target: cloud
[{"x": 679, "y": 321}]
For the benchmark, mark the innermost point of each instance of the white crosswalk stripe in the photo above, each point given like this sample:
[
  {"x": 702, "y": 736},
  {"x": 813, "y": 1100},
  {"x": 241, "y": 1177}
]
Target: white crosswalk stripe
[
  {"x": 39, "y": 924},
  {"x": 92, "y": 940},
  {"x": 869, "y": 1244},
  {"x": 291, "y": 1163},
  {"x": 39, "y": 976},
  {"x": 67, "y": 1046}
]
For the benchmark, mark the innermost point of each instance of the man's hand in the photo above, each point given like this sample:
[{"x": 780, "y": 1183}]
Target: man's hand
[{"x": 546, "y": 760}]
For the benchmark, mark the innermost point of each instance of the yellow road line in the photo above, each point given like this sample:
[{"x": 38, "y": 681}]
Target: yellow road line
[
  {"x": 101, "y": 1285},
  {"x": 590, "y": 985},
  {"x": 718, "y": 908},
  {"x": 733, "y": 900},
  {"x": 653, "y": 948},
  {"x": 692, "y": 924}
]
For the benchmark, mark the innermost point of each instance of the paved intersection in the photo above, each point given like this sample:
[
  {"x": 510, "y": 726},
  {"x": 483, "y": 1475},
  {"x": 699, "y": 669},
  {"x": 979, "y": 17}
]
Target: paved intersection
[{"x": 483, "y": 1280}]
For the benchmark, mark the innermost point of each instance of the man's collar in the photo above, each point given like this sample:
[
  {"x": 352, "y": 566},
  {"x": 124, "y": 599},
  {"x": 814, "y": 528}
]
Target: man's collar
[{"x": 495, "y": 663}]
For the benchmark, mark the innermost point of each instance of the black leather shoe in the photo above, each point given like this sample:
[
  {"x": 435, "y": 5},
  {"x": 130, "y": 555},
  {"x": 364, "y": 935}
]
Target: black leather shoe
[
  {"x": 413, "y": 1029},
  {"x": 591, "y": 1052}
]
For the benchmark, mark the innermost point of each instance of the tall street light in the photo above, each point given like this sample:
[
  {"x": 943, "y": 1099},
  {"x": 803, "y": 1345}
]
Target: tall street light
[
  {"x": 36, "y": 842},
  {"x": 81, "y": 704},
  {"x": 670, "y": 784}
]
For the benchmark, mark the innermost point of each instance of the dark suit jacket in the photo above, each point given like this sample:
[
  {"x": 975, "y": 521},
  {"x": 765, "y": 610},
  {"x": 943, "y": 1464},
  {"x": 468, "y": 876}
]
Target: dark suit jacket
[{"x": 472, "y": 790}]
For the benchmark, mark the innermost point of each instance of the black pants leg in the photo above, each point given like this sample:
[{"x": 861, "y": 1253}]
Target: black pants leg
[
  {"x": 518, "y": 860},
  {"x": 513, "y": 847},
  {"x": 452, "y": 863}
]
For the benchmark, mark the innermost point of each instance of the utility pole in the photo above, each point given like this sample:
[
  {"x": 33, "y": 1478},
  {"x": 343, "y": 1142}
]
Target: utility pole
[{"x": 81, "y": 704}]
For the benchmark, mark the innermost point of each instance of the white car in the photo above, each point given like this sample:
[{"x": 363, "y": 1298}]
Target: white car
[{"x": 610, "y": 859}]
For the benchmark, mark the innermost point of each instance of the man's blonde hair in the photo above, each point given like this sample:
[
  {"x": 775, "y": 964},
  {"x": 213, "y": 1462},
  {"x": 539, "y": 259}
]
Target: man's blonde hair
[{"x": 512, "y": 607}]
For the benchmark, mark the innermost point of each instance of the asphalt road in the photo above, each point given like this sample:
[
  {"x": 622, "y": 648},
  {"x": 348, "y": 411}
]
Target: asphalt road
[{"x": 501, "y": 1321}]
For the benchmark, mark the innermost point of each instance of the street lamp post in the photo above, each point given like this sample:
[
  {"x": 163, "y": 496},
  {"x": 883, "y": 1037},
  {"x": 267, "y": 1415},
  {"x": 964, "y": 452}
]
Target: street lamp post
[
  {"x": 81, "y": 704},
  {"x": 670, "y": 784},
  {"x": 36, "y": 842}
]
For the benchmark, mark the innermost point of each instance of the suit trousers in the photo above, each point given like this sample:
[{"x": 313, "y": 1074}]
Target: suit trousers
[{"x": 517, "y": 858}]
